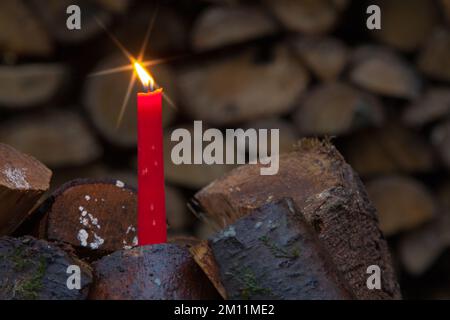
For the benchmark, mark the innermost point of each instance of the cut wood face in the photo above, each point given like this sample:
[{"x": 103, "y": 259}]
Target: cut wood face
[
  {"x": 221, "y": 26},
  {"x": 243, "y": 88},
  {"x": 32, "y": 269},
  {"x": 94, "y": 216},
  {"x": 23, "y": 180},
  {"x": 165, "y": 271},
  {"x": 332, "y": 199}
]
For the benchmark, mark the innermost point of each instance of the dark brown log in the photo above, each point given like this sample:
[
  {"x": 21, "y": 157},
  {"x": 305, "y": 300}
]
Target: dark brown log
[
  {"x": 337, "y": 108},
  {"x": 389, "y": 149},
  {"x": 97, "y": 216},
  {"x": 23, "y": 180},
  {"x": 232, "y": 87},
  {"x": 382, "y": 72},
  {"x": 57, "y": 138},
  {"x": 53, "y": 14},
  {"x": 29, "y": 85},
  {"x": 20, "y": 32},
  {"x": 32, "y": 269},
  {"x": 225, "y": 25},
  {"x": 104, "y": 96},
  {"x": 406, "y": 24},
  {"x": 435, "y": 104},
  {"x": 305, "y": 16},
  {"x": 433, "y": 60},
  {"x": 332, "y": 199},
  {"x": 326, "y": 57},
  {"x": 273, "y": 254},
  {"x": 402, "y": 203},
  {"x": 165, "y": 271}
]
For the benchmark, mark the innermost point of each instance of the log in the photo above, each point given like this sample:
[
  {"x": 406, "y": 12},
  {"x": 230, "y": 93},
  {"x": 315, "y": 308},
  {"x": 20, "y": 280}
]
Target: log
[
  {"x": 432, "y": 106},
  {"x": 402, "y": 203},
  {"x": 332, "y": 200},
  {"x": 103, "y": 96},
  {"x": 220, "y": 26},
  {"x": 53, "y": 14},
  {"x": 440, "y": 137},
  {"x": 419, "y": 249},
  {"x": 164, "y": 271},
  {"x": 389, "y": 149},
  {"x": 20, "y": 32},
  {"x": 29, "y": 85},
  {"x": 95, "y": 217},
  {"x": 433, "y": 59},
  {"x": 272, "y": 253},
  {"x": 32, "y": 269},
  {"x": 397, "y": 30},
  {"x": 310, "y": 17},
  {"x": 23, "y": 180},
  {"x": 382, "y": 72},
  {"x": 325, "y": 57},
  {"x": 57, "y": 138},
  {"x": 232, "y": 87},
  {"x": 337, "y": 108}
]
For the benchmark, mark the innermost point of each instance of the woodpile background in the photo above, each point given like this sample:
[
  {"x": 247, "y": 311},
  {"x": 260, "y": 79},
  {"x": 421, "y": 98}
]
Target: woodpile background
[{"x": 309, "y": 68}]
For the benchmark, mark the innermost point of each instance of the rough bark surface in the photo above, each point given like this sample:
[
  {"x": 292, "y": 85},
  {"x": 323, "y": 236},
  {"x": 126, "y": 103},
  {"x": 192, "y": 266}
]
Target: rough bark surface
[
  {"x": 273, "y": 254},
  {"x": 330, "y": 196},
  {"x": 36, "y": 269},
  {"x": 165, "y": 271}
]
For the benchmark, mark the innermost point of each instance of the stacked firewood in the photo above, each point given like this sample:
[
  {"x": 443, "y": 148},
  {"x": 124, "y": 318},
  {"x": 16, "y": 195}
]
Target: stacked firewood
[{"x": 308, "y": 68}]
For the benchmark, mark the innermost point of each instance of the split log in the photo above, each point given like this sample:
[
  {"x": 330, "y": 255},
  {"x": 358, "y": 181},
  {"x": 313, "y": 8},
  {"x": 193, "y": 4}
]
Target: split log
[
  {"x": 435, "y": 104},
  {"x": 104, "y": 96},
  {"x": 402, "y": 203},
  {"x": 165, "y": 271},
  {"x": 419, "y": 249},
  {"x": 96, "y": 217},
  {"x": 23, "y": 180},
  {"x": 288, "y": 133},
  {"x": 332, "y": 199},
  {"x": 29, "y": 85},
  {"x": 389, "y": 149},
  {"x": 273, "y": 254},
  {"x": 337, "y": 108},
  {"x": 20, "y": 32},
  {"x": 381, "y": 71},
  {"x": 53, "y": 14},
  {"x": 57, "y": 138},
  {"x": 32, "y": 269},
  {"x": 406, "y": 24},
  {"x": 305, "y": 16},
  {"x": 325, "y": 57},
  {"x": 220, "y": 26},
  {"x": 440, "y": 138},
  {"x": 231, "y": 88},
  {"x": 433, "y": 60},
  {"x": 189, "y": 175}
]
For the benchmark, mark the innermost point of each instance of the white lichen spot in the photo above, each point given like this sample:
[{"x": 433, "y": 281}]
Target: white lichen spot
[
  {"x": 258, "y": 225},
  {"x": 119, "y": 184},
  {"x": 98, "y": 241},
  {"x": 87, "y": 197},
  {"x": 16, "y": 177},
  {"x": 157, "y": 282},
  {"x": 82, "y": 237},
  {"x": 80, "y": 208},
  {"x": 135, "y": 241},
  {"x": 84, "y": 213},
  {"x": 226, "y": 233}
]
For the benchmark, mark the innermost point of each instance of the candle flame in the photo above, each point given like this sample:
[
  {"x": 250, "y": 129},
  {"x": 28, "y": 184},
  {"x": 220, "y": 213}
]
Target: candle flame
[{"x": 146, "y": 78}]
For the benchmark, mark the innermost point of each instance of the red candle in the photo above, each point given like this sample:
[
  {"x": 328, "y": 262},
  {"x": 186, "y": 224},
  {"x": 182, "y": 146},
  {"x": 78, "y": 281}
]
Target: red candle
[{"x": 151, "y": 197}]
